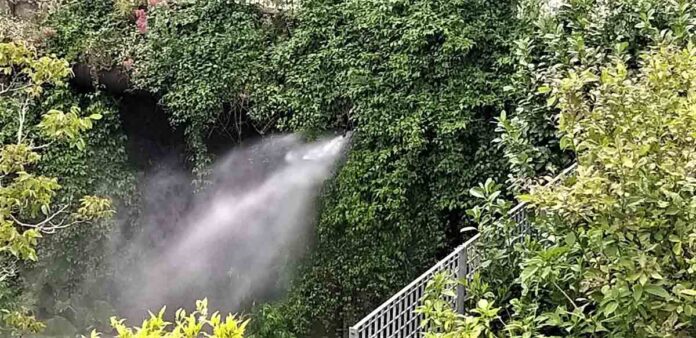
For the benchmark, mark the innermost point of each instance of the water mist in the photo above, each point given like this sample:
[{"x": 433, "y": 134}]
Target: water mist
[{"x": 233, "y": 242}]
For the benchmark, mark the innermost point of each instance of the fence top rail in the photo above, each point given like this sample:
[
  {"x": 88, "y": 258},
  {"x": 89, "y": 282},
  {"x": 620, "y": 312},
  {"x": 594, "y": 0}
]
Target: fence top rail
[{"x": 415, "y": 281}]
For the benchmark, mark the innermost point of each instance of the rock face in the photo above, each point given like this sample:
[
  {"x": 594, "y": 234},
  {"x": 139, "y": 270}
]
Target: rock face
[
  {"x": 25, "y": 9},
  {"x": 4, "y": 7},
  {"x": 22, "y": 9}
]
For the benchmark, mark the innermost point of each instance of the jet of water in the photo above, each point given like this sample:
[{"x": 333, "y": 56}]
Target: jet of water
[{"x": 234, "y": 243}]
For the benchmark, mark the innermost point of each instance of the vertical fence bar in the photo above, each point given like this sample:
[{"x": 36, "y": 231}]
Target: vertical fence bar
[{"x": 463, "y": 271}]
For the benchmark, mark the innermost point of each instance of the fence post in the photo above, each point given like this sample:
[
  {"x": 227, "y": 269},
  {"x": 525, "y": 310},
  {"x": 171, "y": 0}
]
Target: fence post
[
  {"x": 352, "y": 333},
  {"x": 462, "y": 271}
]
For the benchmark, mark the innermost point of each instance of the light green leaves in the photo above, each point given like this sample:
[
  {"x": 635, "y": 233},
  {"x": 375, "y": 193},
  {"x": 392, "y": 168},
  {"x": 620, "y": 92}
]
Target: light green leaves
[
  {"x": 94, "y": 207},
  {"x": 477, "y": 192},
  {"x": 16, "y": 157},
  {"x": 196, "y": 324},
  {"x": 623, "y": 216},
  {"x": 442, "y": 321},
  {"x": 657, "y": 291},
  {"x": 27, "y": 206},
  {"x": 67, "y": 127},
  {"x": 616, "y": 246},
  {"x": 18, "y": 60}
]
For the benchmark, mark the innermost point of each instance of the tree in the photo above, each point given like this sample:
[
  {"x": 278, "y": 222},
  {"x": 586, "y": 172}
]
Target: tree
[
  {"x": 553, "y": 39},
  {"x": 27, "y": 206},
  {"x": 618, "y": 238}
]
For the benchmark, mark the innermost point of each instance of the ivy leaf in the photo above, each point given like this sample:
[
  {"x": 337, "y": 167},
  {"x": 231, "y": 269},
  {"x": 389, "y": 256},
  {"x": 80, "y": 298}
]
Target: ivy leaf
[
  {"x": 476, "y": 192},
  {"x": 610, "y": 308}
]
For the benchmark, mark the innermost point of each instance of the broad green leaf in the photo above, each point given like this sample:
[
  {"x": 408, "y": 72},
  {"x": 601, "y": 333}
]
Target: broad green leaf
[{"x": 657, "y": 291}]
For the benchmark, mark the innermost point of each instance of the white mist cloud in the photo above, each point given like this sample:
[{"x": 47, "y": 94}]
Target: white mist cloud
[{"x": 233, "y": 242}]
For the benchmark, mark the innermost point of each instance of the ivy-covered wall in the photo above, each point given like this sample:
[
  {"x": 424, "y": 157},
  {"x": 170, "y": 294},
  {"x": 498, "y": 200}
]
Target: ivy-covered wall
[
  {"x": 421, "y": 85},
  {"x": 417, "y": 82}
]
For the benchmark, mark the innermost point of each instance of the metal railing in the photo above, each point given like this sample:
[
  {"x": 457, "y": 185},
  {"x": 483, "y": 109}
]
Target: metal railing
[{"x": 397, "y": 316}]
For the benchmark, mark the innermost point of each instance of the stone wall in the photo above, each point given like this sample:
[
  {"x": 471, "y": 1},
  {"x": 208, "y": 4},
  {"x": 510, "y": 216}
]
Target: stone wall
[{"x": 22, "y": 9}]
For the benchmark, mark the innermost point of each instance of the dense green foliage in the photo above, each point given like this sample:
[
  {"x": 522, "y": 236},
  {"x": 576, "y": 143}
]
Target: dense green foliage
[
  {"x": 75, "y": 261},
  {"x": 68, "y": 279},
  {"x": 203, "y": 58},
  {"x": 28, "y": 203},
  {"x": 602, "y": 266},
  {"x": 417, "y": 82},
  {"x": 577, "y": 33},
  {"x": 90, "y": 31},
  {"x": 632, "y": 192},
  {"x": 616, "y": 251}
]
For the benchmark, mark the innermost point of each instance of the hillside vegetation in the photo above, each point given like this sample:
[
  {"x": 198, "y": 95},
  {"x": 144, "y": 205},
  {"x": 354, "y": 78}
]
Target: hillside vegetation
[{"x": 456, "y": 109}]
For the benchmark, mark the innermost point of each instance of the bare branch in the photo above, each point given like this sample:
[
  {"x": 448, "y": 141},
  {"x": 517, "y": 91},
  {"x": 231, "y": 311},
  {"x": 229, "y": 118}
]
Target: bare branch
[
  {"x": 52, "y": 229},
  {"x": 22, "y": 117},
  {"x": 43, "y": 145},
  {"x": 41, "y": 226},
  {"x": 6, "y": 90}
]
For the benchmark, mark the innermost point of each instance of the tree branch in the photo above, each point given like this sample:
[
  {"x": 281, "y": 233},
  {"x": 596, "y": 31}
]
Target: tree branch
[
  {"x": 41, "y": 226},
  {"x": 565, "y": 294},
  {"x": 22, "y": 117},
  {"x": 43, "y": 145}
]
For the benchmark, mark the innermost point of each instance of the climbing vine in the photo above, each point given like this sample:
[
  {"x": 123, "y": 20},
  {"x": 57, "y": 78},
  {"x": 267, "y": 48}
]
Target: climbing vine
[
  {"x": 202, "y": 58},
  {"x": 417, "y": 82}
]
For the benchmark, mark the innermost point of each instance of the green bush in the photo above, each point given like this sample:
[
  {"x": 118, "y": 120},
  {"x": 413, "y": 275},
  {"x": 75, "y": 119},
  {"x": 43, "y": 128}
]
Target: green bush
[
  {"x": 576, "y": 33},
  {"x": 618, "y": 237}
]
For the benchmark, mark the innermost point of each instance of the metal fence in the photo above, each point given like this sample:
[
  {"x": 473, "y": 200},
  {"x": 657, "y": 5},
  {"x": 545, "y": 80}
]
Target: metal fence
[{"x": 397, "y": 317}]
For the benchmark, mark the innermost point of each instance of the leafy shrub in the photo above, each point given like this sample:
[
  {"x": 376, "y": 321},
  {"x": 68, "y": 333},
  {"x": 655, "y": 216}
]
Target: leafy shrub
[
  {"x": 575, "y": 33},
  {"x": 442, "y": 321},
  {"x": 617, "y": 238},
  {"x": 196, "y": 324}
]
